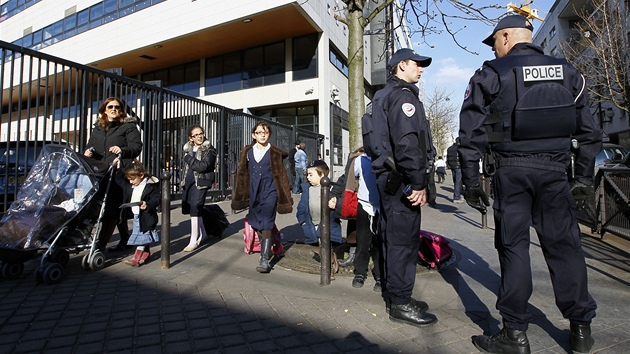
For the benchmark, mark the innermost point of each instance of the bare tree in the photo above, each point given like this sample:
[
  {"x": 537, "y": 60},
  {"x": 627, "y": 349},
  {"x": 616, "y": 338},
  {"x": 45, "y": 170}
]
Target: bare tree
[
  {"x": 600, "y": 50},
  {"x": 442, "y": 116},
  {"x": 424, "y": 17}
]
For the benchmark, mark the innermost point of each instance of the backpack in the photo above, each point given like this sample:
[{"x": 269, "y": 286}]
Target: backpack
[
  {"x": 252, "y": 243},
  {"x": 214, "y": 220},
  {"x": 434, "y": 251}
]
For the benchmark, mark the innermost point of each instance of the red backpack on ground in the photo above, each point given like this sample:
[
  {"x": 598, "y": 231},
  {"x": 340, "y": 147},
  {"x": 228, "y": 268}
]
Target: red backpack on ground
[
  {"x": 252, "y": 243},
  {"x": 434, "y": 252}
]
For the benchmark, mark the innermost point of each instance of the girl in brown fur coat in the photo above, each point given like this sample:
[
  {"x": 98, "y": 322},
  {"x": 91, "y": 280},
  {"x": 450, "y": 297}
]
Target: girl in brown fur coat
[{"x": 263, "y": 186}]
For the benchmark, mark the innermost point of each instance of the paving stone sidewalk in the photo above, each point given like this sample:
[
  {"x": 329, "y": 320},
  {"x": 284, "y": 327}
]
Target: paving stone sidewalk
[{"x": 213, "y": 301}]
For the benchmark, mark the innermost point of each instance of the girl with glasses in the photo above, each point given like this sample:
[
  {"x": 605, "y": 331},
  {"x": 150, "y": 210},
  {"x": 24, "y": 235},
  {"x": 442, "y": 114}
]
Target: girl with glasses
[
  {"x": 263, "y": 186},
  {"x": 199, "y": 162}
]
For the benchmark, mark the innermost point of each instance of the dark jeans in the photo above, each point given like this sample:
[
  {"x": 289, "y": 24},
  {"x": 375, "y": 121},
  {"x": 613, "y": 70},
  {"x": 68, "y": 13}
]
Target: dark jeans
[
  {"x": 457, "y": 183},
  {"x": 367, "y": 244},
  {"x": 299, "y": 178}
]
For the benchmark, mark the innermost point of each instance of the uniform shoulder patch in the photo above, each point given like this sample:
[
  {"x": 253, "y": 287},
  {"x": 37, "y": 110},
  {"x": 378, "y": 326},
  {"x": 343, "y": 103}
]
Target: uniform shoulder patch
[
  {"x": 468, "y": 91},
  {"x": 409, "y": 109}
]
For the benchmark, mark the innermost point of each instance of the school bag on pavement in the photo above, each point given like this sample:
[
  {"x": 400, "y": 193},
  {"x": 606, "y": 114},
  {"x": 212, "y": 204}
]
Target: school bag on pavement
[
  {"x": 435, "y": 252},
  {"x": 252, "y": 243},
  {"x": 214, "y": 220}
]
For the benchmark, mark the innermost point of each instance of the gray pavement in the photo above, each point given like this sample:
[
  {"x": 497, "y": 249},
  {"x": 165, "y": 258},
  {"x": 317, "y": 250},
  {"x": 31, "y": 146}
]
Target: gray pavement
[{"x": 213, "y": 301}]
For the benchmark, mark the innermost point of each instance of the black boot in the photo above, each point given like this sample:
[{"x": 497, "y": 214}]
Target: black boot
[
  {"x": 265, "y": 251},
  {"x": 508, "y": 341},
  {"x": 581, "y": 340},
  {"x": 411, "y": 313}
]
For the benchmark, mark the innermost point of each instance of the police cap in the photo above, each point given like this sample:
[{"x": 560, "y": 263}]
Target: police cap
[
  {"x": 406, "y": 54},
  {"x": 512, "y": 21}
]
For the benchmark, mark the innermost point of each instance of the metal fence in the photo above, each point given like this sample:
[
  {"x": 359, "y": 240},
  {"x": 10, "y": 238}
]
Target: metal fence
[
  {"x": 609, "y": 208},
  {"x": 47, "y": 99}
]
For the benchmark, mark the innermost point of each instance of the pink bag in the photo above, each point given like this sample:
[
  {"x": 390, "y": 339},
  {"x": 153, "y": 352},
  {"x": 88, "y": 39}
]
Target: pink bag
[
  {"x": 252, "y": 243},
  {"x": 434, "y": 252}
]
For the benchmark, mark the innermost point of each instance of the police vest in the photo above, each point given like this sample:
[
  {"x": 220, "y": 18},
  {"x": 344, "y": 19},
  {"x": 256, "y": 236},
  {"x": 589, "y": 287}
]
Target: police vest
[{"x": 535, "y": 108}]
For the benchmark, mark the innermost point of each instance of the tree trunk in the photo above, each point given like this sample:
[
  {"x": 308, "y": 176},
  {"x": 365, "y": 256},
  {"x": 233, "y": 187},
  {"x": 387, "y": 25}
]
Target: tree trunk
[{"x": 356, "y": 26}]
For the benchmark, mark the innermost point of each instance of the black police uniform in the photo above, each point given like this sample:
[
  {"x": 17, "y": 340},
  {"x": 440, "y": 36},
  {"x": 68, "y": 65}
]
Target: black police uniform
[
  {"x": 532, "y": 152},
  {"x": 400, "y": 221}
]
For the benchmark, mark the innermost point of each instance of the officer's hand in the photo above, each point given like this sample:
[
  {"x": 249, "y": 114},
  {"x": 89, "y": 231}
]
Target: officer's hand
[
  {"x": 581, "y": 194},
  {"x": 477, "y": 198}
]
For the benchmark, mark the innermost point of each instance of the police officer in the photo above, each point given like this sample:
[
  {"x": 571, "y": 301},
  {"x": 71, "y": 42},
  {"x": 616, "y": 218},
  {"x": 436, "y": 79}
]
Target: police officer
[
  {"x": 400, "y": 208},
  {"x": 522, "y": 110}
]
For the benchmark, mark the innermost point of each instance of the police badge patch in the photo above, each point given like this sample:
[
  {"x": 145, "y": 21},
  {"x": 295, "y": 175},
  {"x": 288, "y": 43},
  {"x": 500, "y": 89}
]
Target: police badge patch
[
  {"x": 468, "y": 91},
  {"x": 409, "y": 109}
]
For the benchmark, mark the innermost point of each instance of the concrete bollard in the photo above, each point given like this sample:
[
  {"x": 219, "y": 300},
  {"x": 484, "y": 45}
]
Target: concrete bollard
[
  {"x": 165, "y": 237},
  {"x": 324, "y": 234}
]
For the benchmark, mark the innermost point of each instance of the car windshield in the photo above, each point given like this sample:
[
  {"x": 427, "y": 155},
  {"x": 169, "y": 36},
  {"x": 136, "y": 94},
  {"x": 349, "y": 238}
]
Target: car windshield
[
  {"x": 606, "y": 155},
  {"x": 18, "y": 156}
]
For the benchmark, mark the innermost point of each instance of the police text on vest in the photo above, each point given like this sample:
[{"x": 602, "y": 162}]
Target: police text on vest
[{"x": 542, "y": 73}]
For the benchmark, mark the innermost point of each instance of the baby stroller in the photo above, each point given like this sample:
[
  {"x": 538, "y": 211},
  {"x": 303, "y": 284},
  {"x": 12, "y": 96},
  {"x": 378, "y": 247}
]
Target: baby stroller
[{"x": 56, "y": 209}]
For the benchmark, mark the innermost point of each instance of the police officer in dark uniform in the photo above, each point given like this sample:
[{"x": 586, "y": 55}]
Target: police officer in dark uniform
[
  {"x": 401, "y": 181},
  {"x": 522, "y": 110}
]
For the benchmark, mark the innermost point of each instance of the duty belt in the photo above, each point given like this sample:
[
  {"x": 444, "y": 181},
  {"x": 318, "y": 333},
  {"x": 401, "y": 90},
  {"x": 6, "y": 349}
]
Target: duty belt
[{"x": 530, "y": 162}]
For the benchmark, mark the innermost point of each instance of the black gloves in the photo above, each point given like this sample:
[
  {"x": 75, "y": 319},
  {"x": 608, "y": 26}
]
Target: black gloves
[
  {"x": 581, "y": 194},
  {"x": 477, "y": 198}
]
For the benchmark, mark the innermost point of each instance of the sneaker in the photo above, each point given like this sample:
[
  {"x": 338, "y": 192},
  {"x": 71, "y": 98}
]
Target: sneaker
[
  {"x": 377, "y": 286},
  {"x": 459, "y": 201},
  {"x": 358, "y": 281}
]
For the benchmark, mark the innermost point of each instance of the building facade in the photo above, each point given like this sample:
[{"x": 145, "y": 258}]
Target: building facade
[{"x": 282, "y": 60}]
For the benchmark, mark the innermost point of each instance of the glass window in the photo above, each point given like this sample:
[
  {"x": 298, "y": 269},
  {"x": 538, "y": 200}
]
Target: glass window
[
  {"x": 305, "y": 57},
  {"x": 214, "y": 72},
  {"x": 338, "y": 61},
  {"x": 253, "y": 60},
  {"x": 126, "y": 7},
  {"x": 57, "y": 31},
  {"x": 142, "y": 4},
  {"x": 37, "y": 39},
  {"x": 96, "y": 15},
  {"x": 70, "y": 26},
  {"x": 274, "y": 64},
  {"x": 83, "y": 19},
  {"x": 232, "y": 72},
  {"x": 552, "y": 32},
  {"x": 110, "y": 9}
]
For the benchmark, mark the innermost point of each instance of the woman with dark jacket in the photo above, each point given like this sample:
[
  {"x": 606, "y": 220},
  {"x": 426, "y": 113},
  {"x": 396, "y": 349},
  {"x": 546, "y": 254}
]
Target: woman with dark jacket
[
  {"x": 200, "y": 159},
  {"x": 114, "y": 134},
  {"x": 263, "y": 186}
]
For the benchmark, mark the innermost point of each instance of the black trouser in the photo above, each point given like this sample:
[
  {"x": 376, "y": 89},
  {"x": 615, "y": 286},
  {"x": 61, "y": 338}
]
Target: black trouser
[
  {"x": 400, "y": 229},
  {"x": 431, "y": 189},
  {"x": 367, "y": 244},
  {"x": 541, "y": 198}
]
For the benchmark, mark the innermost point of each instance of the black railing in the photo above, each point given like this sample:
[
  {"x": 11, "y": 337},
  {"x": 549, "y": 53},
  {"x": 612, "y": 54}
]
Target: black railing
[
  {"x": 47, "y": 99},
  {"x": 609, "y": 208}
]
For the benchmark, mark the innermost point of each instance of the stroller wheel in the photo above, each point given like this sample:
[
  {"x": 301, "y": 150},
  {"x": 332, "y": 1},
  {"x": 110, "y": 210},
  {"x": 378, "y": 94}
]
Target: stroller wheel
[
  {"x": 98, "y": 261},
  {"x": 60, "y": 256},
  {"x": 85, "y": 262},
  {"x": 12, "y": 270},
  {"x": 52, "y": 273}
]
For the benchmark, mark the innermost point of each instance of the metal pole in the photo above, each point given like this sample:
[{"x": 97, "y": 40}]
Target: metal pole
[
  {"x": 484, "y": 187},
  {"x": 165, "y": 240},
  {"x": 324, "y": 234}
]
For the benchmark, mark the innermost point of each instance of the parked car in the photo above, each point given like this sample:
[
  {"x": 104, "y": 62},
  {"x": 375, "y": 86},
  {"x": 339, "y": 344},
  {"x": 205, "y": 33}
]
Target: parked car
[
  {"x": 16, "y": 160},
  {"x": 610, "y": 156}
]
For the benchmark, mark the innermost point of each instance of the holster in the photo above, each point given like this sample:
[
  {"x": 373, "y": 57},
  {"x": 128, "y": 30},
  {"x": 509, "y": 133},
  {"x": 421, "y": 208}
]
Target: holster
[
  {"x": 394, "y": 178},
  {"x": 489, "y": 164}
]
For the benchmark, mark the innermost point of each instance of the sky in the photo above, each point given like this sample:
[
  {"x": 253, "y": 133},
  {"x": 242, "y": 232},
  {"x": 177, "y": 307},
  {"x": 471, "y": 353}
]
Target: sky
[{"x": 452, "y": 66}]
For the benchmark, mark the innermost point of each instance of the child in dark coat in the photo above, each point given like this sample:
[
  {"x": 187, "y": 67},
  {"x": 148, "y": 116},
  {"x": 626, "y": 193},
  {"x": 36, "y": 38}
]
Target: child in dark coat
[{"x": 141, "y": 188}]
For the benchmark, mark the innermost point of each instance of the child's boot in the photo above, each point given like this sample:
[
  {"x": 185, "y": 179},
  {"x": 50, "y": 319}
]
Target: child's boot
[
  {"x": 265, "y": 251},
  {"x": 144, "y": 256},
  {"x": 136, "y": 257}
]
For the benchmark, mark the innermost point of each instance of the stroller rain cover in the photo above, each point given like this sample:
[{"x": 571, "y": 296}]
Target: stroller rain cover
[{"x": 59, "y": 185}]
